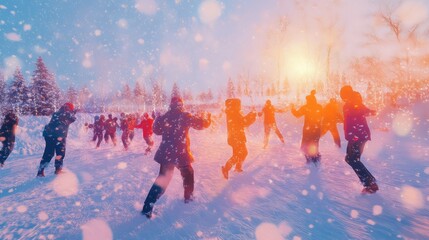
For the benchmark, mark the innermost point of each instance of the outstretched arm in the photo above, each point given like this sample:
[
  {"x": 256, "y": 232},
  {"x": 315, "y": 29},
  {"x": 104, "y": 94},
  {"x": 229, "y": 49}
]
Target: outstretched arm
[{"x": 200, "y": 123}]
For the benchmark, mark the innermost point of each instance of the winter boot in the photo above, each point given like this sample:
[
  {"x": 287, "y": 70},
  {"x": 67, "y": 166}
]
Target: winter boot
[
  {"x": 147, "y": 210},
  {"x": 189, "y": 199},
  {"x": 58, "y": 170},
  {"x": 225, "y": 172},
  {"x": 371, "y": 188},
  {"x": 41, "y": 173}
]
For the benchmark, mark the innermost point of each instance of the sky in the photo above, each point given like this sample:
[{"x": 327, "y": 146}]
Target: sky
[{"x": 103, "y": 44}]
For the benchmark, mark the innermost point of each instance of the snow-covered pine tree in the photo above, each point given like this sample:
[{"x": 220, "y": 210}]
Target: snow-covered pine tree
[
  {"x": 46, "y": 94},
  {"x": 3, "y": 93},
  {"x": 175, "y": 92},
  {"x": 140, "y": 95},
  {"x": 17, "y": 94},
  {"x": 230, "y": 90},
  {"x": 72, "y": 95}
]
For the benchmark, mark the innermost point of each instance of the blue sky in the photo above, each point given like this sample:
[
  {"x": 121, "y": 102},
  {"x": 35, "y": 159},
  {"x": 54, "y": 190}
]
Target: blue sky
[{"x": 103, "y": 44}]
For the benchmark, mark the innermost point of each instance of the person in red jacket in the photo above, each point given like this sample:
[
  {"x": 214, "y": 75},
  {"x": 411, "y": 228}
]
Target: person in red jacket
[
  {"x": 236, "y": 123},
  {"x": 270, "y": 122},
  {"x": 146, "y": 126},
  {"x": 332, "y": 116}
]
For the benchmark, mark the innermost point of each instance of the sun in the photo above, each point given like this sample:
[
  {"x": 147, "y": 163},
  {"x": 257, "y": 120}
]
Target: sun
[{"x": 300, "y": 65}]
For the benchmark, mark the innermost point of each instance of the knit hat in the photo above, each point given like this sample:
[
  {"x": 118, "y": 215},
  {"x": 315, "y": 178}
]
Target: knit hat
[{"x": 69, "y": 106}]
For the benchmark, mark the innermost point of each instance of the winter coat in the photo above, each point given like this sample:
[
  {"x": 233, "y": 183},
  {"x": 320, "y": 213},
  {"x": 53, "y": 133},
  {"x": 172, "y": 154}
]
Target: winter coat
[
  {"x": 174, "y": 126},
  {"x": 110, "y": 125},
  {"x": 269, "y": 114},
  {"x": 99, "y": 126},
  {"x": 132, "y": 123},
  {"x": 312, "y": 120},
  {"x": 147, "y": 126},
  {"x": 355, "y": 125},
  {"x": 58, "y": 127},
  {"x": 8, "y": 127},
  {"x": 332, "y": 114},
  {"x": 124, "y": 124},
  {"x": 236, "y": 123}
]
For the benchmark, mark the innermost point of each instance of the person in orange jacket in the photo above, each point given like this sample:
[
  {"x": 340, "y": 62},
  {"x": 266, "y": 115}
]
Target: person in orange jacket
[
  {"x": 270, "y": 122},
  {"x": 146, "y": 125}
]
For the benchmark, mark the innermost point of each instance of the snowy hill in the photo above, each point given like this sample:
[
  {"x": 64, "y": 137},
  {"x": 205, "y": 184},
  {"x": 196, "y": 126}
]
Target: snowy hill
[{"x": 277, "y": 196}]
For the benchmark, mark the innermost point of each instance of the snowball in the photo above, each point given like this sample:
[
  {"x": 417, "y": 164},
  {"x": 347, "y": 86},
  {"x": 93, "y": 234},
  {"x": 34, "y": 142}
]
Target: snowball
[
  {"x": 97, "y": 32},
  {"x": 138, "y": 206},
  {"x": 148, "y": 7},
  {"x": 96, "y": 229},
  {"x": 199, "y": 234},
  {"x": 122, "y": 23},
  {"x": 178, "y": 225},
  {"x": 198, "y": 37},
  {"x": 140, "y": 41},
  {"x": 15, "y": 37},
  {"x": 27, "y": 27},
  {"x": 312, "y": 187},
  {"x": 209, "y": 11},
  {"x": 87, "y": 63},
  {"x": 122, "y": 165},
  {"x": 354, "y": 214},
  {"x": 402, "y": 123},
  {"x": 77, "y": 203},
  {"x": 412, "y": 198},
  {"x": 66, "y": 184},
  {"x": 43, "y": 216},
  {"x": 38, "y": 49},
  {"x": 308, "y": 210},
  {"x": 370, "y": 222},
  {"x": 21, "y": 209},
  {"x": 304, "y": 192},
  {"x": 377, "y": 210},
  {"x": 268, "y": 231},
  {"x": 285, "y": 229}
]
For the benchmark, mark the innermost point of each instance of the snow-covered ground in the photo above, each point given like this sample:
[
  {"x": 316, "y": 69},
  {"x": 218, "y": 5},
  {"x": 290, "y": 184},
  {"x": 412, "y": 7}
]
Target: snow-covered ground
[{"x": 277, "y": 196}]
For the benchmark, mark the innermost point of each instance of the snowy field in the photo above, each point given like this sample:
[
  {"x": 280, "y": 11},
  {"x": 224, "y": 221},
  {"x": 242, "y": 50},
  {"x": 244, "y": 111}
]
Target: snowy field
[{"x": 277, "y": 196}]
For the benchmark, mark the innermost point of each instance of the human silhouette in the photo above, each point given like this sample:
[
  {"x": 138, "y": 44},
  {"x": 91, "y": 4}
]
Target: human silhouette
[
  {"x": 357, "y": 133},
  {"x": 312, "y": 112}
]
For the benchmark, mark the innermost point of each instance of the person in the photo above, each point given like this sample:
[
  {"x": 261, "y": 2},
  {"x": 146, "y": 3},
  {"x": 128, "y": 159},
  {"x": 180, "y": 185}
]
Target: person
[
  {"x": 55, "y": 134},
  {"x": 270, "y": 122},
  {"x": 99, "y": 127},
  {"x": 110, "y": 126},
  {"x": 357, "y": 133},
  {"x": 125, "y": 130},
  {"x": 7, "y": 136},
  {"x": 132, "y": 122},
  {"x": 236, "y": 123},
  {"x": 331, "y": 116},
  {"x": 174, "y": 151},
  {"x": 146, "y": 126},
  {"x": 312, "y": 112}
]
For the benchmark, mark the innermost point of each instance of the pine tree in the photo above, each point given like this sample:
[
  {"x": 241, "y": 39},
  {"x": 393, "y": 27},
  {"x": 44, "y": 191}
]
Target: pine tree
[
  {"x": 158, "y": 95},
  {"x": 140, "y": 95},
  {"x": 127, "y": 93},
  {"x": 46, "y": 94},
  {"x": 175, "y": 92},
  {"x": 17, "y": 99},
  {"x": 3, "y": 93},
  {"x": 230, "y": 91}
]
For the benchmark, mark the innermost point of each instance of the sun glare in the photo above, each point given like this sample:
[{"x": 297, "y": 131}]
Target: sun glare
[{"x": 300, "y": 66}]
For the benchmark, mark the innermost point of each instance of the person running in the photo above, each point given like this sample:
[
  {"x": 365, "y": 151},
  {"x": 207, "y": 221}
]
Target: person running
[
  {"x": 99, "y": 127},
  {"x": 270, "y": 122},
  {"x": 312, "y": 112},
  {"x": 174, "y": 151},
  {"x": 111, "y": 125},
  {"x": 55, "y": 134},
  {"x": 236, "y": 123},
  {"x": 125, "y": 130},
  {"x": 147, "y": 129},
  {"x": 357, "y": 133},
  {"x": 332, "y": 116},
  {"x": 7, "y": 136}
]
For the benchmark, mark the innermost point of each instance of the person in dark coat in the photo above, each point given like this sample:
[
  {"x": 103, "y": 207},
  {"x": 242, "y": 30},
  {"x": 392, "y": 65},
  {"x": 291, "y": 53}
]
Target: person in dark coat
[
  {"x": 270, "y": 122},
  {"x": 174, "y": 151},
  {"x": 55, "y": 134},
  {"x": 99, "y": 127},
  {"x": 110, "y": 126},
  {"x": 357, "y": 133},
  {"x": 147, "y": 129},
  {"x": 125, "y": 130},
  {"x": 236, "y": 123},
  {"x": 312, "y": 112},
  {"x": 331, "y": 116},
  {"x": 7, "y": 136}
]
